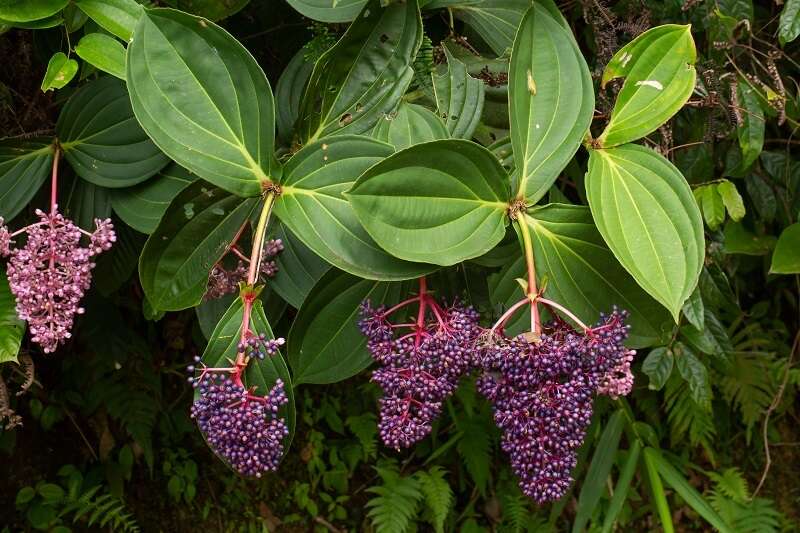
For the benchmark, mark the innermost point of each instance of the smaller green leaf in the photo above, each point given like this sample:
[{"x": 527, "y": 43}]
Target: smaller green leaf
[
  {"x": 786, "y": 257},
  {"x": 459, "y": 97},
  {"x": 740, "y": 240},
  {"x": 29, "y": 10},
  {"x": 24, "y": 166},
  {"x": 694, "y": 310},
  {"x": 658, "y": 67},
  {"x": 60, "y": 71},
  {"x": 657, "y": 491},
  {"x": 694, "y": 372},
  {"x": 732, "y": 200},
  {"x": 751, "y": 130},
  {"x": 710, "y": 202},
  {"x": 115, "y": 16},
  {"x": 789, "y": 23},
  {"x": 11, "y": 328},
  {"x": 622, "y": 487},
  {"x": 658, "y": 366},
  {"x": 327, "y": 11},
  {"x": 437, "y": 495},
  {"x": 440, "y": 202},
  {"x": 411, "y": 124},
  {"x": 104, "y": 52}
]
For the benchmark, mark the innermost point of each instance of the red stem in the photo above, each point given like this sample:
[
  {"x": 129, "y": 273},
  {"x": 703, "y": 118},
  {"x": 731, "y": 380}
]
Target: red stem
[{"x": 54, "y": 181}]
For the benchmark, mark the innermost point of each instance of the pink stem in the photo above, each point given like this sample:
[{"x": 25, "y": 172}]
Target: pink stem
[
  {"x": 567, "y": 312},
  {"x": 511, "y": 310}
]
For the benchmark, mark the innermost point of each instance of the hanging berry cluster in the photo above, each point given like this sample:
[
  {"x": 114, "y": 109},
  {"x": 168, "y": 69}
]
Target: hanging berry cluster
[{"x": 51, "y": 271}]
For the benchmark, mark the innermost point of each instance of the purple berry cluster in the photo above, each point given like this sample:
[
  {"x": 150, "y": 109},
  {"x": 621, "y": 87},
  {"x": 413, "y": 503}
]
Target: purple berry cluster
[
  {"x": 542, "y": 394},
  {"x": 260, "y": 346},
  {"x": 420, "y": 369},
  {"x": 50, "y": 273},
  {"x": 243, "y": 429},
  {"x": 222, "y": 281}
]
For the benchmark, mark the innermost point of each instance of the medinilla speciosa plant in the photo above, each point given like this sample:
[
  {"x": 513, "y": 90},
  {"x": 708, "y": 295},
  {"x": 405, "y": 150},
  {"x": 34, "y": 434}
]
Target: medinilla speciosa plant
[{"x": 363, "y": 195}]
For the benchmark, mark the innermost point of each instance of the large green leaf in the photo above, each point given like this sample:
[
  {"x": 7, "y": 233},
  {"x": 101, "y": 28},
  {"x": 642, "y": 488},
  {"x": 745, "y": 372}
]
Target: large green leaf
[
  {"x": 440, "y": 202},
  {"x": 645, "y": 211},
  {"x": 789, "y": 23},
  {"x": 411, "y": 124},
  {"x": 496, "y": 21},
  {"x": 551, "y": 101},
  {"x": 313, "y": 208},
  {"x": 191, "y": 237},
  {"x": 116, "y": 16},
  {"x": 83, "y": 202},
  {"x": 786, "y": 257},
  {"x": 289, "y": 91},
  {"x": 299, "y": 269},
  {"x": 24, "y": 166},
  {"x": 459, "y": 97},
  {"x": 579, "y": 271},
  {"x": 203, "y": 99},
  {"x": 101, "y": 138},
  {"x": 363, "y": 76},
  {"x": 325, "y": 345},
  {"x": 328, "y": 10},
  {"x": 658, "y": 67},
  {"x": 210, "y": 9},
  {"x": 261, "y": 374},
  {"x": 142, "y": 206},
  {"x": 11, "y": 328},
  {"x": 103, "y": 52},
  {"x": 29, "y": 10}
]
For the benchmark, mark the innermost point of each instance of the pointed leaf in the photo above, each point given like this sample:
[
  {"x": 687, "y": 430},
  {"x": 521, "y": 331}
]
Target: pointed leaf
[
  {"x": 658, "y": 366},
  {"x": 29, "y": 10},
  {"x": 786, "y": 257},
  {"x": 203, "y": 99},
  {"x": 789, "y": 23},
  {"x": 694, "y": 372},
  {"x": 60, "y": 71},
  {"x": 222, "y": 348},
  {"x": 289, "y": 91},
  {"x": 118, "y": 17},
  {"x": 459, "y": 97},
  {"x": 327, "y": 10},
  {"x": 411, "y": 124},
  {"x": 751, "y": 130},
  {"x": 496, "y": 21},
  {"x": 24, "y": 166},
  {"x": 551, "y": 101},
  {"x": 732, "y": 200},
  {"x": 622, "y": 487},
  {"x": 658, "y": 67},
  {"x": 191, "y": 237},
  {"x": 143, "y": 206},
  {"x": 440, "y": 202},
  {"x": 299, "y": 268},
  {"x": 657, "y": 490},
  {"x": 325, "y": 344},
  {"x": 101, "y": 138},
  {"x": 363, "y": 76},
  {"x": 103, "y": 52},
  {"x": 313, "y": 208},
  {"x": 645, "y": 211}
]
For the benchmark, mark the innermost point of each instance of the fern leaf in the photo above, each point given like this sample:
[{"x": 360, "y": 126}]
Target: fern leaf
[
  {"x": 732, "y": 484},
  {"x": 474, "y": 448},
  {"x": 438, "y": 496},
  {"x": 748, "y": 383},
  {"x": 515, "y": 512},
  {"x": 686, "y": 417},
  {"x": 395, "y": 504},
  {"x": 731, "y": 499},
  {"x": 365, "y": 429}
]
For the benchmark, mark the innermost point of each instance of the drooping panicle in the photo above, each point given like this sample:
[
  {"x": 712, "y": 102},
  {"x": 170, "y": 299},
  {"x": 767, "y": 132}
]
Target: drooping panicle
[{"x": 50, "y": 273}]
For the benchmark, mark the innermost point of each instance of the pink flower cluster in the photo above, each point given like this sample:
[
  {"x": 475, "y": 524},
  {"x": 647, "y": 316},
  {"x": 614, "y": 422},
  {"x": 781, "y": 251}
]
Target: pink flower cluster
[{"x": 50, "y": 273}]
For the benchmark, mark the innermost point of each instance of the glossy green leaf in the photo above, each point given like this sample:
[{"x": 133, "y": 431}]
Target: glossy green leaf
[
  {"x": 11, "y": 328},
  {"x": 60, "y": 71},
  {"x": 645, "y": 211},
  {"x": 622, "y": 487},
  {"x": 694, "y": 309},
  {"x": 24, "y": 166},
  {"x": 210, "y": 9},
  {"x": 83, "y": 202},
  {"x": 459, "y": 97},
  {"x": 732, "y": 199},
  {"x": 362, "y": 77},
  {"x": 203, "y": 99},
  {"x": 328, "y": 10},
  {"x": 658, "y": 366},
  {"x": 657, "y": 490},
  {"x": 750, "y": 131},
  {"x": 118, "y": 17},
  {"x": 594, "y": 483},
  {"x": 299, "y": 269},
  {"x": 694, "y": 372},
  {"x": 551, "y": 101},
  {"x": 103, "y": 52},
  {"x": 658, "y": 67},
  {"x": 289, "y": 91},
  {"x": 101, "y": 138},
  {"x": 29, "y": 10},
  {"x": 710, "y": 202},
  {"x": 740, "y": 240},
  {"x": 582, "y": 274},
  {"x": 325, "y": 345},
  {"x": 191, "y": 237},
  {"x": 496, "y": 21},
  {"x": 678, "y": 481},
  {"x": 313, "y": 208},
  {"x": 261, "y": 374},
  {"x": 142, "y": 206},
  {"x": 789, "y": 23},
  {"x": 411, "y": 124},
  {"x": 786, "y": 257},
  {"x": 41, "y": 24},
  {"x": 440, "y": 202}
]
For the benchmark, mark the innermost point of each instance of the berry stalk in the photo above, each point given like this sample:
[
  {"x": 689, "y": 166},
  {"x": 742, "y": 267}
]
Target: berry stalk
[{"x": 532, "y": 292}]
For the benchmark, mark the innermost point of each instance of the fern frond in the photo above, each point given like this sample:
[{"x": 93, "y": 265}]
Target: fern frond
[
  {"x": 685, "y": 417},
  {"x": 395, "y": 504},
  {"x": 365, "y": 429},
  {"x": 731, "y": 499},
  {"x": 748, "y": 383},
  {"x": 104, "y": 510},
  {"x": 474, "y": 448},
  {"x": 515, "y": 513},
  {"x": 731, "y": 484},
  {"x": 438, "y": 496}
]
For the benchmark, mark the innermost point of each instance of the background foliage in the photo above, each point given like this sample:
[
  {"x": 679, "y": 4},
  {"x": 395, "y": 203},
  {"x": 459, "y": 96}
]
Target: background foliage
[{"x": 707, "y": 439}]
